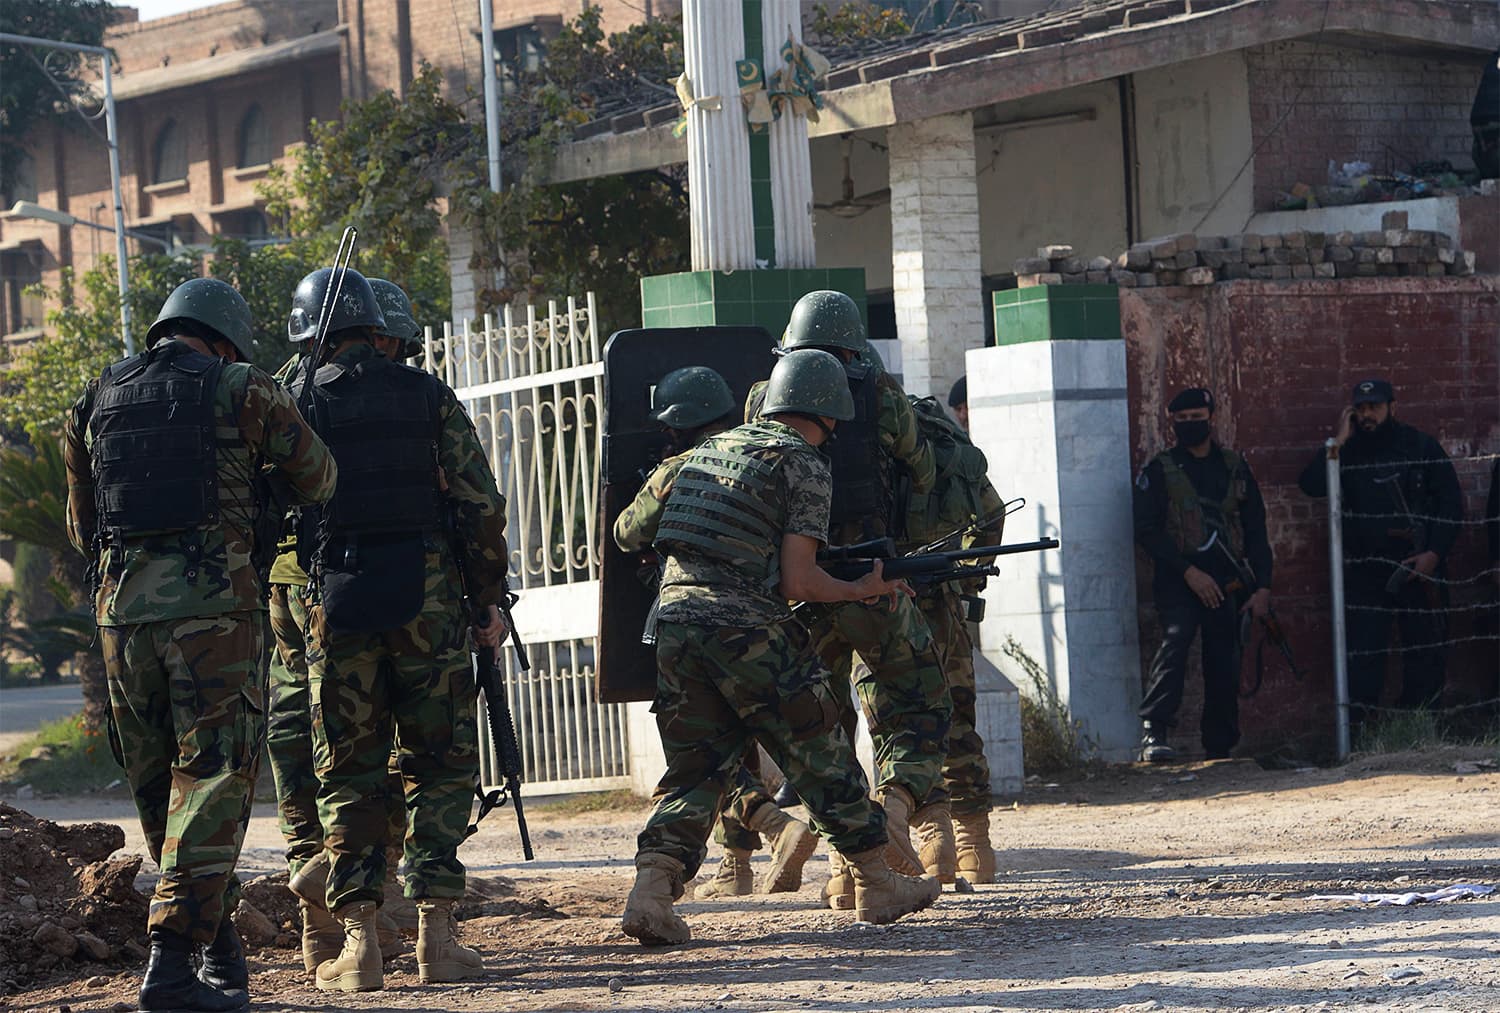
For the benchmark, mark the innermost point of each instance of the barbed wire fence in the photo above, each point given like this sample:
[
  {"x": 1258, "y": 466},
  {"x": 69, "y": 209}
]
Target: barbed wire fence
[{"x": 1419, "y": 606}]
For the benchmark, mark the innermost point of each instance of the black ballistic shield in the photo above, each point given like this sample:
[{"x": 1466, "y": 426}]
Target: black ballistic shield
[{"x": 634, "y": 444}]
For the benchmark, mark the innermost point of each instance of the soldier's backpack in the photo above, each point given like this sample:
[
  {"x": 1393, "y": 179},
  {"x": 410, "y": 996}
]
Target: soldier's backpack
[{"x": 956, "y": 497}]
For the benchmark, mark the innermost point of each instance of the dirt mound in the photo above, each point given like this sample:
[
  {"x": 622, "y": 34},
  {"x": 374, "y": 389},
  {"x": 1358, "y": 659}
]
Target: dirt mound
[{"x": 64, "y": 903}]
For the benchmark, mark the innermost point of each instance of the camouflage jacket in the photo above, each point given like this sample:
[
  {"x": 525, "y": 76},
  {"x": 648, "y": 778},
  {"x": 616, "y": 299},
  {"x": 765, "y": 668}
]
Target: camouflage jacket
[
  {"x": 716, "y": 593},
  {"x": 635, "y": 528},
  {"x": 202, "y": 572},
  {"x": 900, "y": 438},
  {"x": 472, "y": 495},
  {"x": 286, "y": 569}
]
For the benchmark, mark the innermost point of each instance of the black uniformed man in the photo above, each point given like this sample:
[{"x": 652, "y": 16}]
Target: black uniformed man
[
  {"x": 1199, "y": 515},
  {"x": 1402, "y": 507}
]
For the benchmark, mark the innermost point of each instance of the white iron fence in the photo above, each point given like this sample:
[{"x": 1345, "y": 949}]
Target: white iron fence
[{"x": 532, "y": 384}]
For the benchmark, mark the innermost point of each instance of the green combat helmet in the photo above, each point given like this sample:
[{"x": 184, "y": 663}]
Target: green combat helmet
[
  {"x": 691, "y": 397},
  {"x": 400, "y": 322},
  {"x": 356, "y": 305},
  {"x": 212, "y": 303},
  {"x": 809, "y": 382},
  {"x": 827, "y": 320}
]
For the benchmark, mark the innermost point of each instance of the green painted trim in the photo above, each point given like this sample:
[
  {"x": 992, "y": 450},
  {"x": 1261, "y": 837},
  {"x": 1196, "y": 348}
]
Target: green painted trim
[{"x": 1057, "y": 313}]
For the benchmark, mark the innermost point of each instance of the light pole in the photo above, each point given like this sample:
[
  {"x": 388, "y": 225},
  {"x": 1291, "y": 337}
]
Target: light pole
[
  {"x": 26, "y": 209},
  {"x": 112, "y": 136}
]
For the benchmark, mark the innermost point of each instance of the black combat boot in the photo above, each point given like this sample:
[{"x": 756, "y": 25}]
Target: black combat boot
[
  {"x": 1154, "y": 747},
  {"x": 224, "y": 960},
  {"x": 171, "y": 985}
]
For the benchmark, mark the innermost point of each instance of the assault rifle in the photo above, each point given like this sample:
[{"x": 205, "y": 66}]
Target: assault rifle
[
  {"x": 490, "y": 682},
  {"x": 1271, "y": 625},
  {"x": 851, "y": 562},
  {"x": 1416, "y": 531}
]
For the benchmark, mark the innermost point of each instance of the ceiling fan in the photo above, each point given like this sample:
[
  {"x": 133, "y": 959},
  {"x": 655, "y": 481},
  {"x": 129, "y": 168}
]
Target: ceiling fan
[{"x": 848, "y": 205}]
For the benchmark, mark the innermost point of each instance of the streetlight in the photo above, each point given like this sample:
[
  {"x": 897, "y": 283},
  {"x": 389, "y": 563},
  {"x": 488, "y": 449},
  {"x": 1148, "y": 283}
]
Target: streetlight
[
  {"x": 112, "y": 137},
  {"x": 26, "y": 209}
]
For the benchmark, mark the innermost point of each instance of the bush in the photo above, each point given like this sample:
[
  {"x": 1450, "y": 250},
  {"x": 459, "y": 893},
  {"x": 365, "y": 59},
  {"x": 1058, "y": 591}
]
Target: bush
[{"x": 1051, "y": 741}]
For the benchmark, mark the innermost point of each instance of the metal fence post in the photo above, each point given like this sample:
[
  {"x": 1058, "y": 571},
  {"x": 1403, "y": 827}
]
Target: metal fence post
[{"x": 1336, "y": 583}]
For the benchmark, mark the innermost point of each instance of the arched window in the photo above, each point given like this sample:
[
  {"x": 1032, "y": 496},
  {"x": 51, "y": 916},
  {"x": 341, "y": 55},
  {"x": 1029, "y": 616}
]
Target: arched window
[
  {"x": 169, "y": 154},
  {"x": 255, "y": 138}
]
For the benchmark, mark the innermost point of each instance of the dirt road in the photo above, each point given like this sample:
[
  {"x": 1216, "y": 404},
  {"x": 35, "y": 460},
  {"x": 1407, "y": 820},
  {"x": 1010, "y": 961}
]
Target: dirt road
[{"x": 1182, "y": 888}]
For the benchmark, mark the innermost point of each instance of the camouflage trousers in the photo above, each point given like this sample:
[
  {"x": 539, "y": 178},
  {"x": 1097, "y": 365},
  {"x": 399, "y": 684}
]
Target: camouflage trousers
[
  {"x": 187, "y": 701},
  {"x": 412, "y": 687},
  {"x": 718, "y": 689},
  {"x": 904, "y": 692},
  {"x": 966, "y": 772},
  {"x": 746, "y": 794},
  {"x": 289, "y": 737}
]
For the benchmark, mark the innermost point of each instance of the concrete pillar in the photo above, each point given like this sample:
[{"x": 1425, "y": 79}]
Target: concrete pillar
[
  {"x": 720, "y": 216},
  {"x": 791, "y": 160},
  {"x": 935, "y": 249},
  {"x": 1051, "y": 416},
  {"x": 461, "y": 276}
]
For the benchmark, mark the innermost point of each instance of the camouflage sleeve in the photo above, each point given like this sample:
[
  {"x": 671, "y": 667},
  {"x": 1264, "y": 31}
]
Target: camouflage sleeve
[
  {"x": 900, "y": 437},
  {"x": 270, "y": 423},
  {"x": 754, "y": 400},
  {"x": 635, "y": 528},
  {"x": 481, "y": 508},
  {"x": 81, "y": 516},
  {"x": 808, "y": 486}
]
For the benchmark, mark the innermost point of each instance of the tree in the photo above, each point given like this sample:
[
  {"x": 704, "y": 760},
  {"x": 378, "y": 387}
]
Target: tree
[{"x": 30, "y": 94}]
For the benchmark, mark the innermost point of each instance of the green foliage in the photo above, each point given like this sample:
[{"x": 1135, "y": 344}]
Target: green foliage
[
  {"x": 34, "y": 601},
  {"x": 27, "y": 97},
  {"x": 33, "y": 497},
  {"x": 857, "y": 21},
  {"x": 74, "y": 757},
  {"x": 1052, "y": 742}
]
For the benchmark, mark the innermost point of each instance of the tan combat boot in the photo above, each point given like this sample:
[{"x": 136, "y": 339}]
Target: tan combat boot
[
  {"x": 311, "y": 881},
  {"x": 648, "y": 909},
  {"x": 792, "y": 844},
  {"x": 388, "y": 936},
  {"x": 898, "y": 805},
  {"x": 401, "y": 909},
  {"x": 976, "y": 859},
  {"x": 838, "y": 892},
  {"x": 733, "y": 878},
  {"x": 322, "y": 938},
  {"x": 882, "y": 896},
  {"x": 933, "y": 824},
  {"x": 357, "y": 968},
  {"x": 440, "y": 957}
]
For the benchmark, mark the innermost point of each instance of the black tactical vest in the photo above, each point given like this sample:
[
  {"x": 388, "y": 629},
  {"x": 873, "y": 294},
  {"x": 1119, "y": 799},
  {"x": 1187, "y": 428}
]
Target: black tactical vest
[
  {"x": 153, "y": 453},
  {"x": 861, "y": 490},
  {"x": 381, "y": 420}
]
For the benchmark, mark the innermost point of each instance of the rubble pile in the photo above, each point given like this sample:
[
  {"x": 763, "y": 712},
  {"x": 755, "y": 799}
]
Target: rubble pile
[
  {"x": 64, "y": 903},
  {"x": 1188, "y": 259}
]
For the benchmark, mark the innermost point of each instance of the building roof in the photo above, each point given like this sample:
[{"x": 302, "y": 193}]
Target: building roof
[
  {"x": 235, "y": 62},
  {"x": 999, "y": 61}
]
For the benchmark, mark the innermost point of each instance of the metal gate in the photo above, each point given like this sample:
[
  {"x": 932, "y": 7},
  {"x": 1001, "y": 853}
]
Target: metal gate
[{"x": 531, "y": 383}]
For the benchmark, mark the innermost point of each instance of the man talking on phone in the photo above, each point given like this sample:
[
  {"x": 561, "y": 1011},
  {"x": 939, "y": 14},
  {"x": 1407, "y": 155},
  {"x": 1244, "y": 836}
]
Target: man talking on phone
[
  {"x": 1402, "y": 508},
  {"x": 1200, "y": 517}
]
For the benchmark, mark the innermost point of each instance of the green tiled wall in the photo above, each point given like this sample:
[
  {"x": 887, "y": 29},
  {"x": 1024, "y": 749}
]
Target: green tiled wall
[
  {"x": 1057, "y": 313},
  {"x": 764, "y": 298}
]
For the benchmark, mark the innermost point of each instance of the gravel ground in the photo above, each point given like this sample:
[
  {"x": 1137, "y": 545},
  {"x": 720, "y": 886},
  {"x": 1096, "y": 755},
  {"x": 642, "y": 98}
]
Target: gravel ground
[{"x": 1187, "y": 887}]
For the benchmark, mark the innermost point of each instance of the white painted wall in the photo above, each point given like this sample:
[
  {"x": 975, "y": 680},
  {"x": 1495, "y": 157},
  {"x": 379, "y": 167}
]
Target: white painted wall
[
  {"x": 1193, "y": 135},
  {"x": 1052, "y": 418},
  {"x": 1051, "y": 183},
  {"x": 1430, "y": 214}
]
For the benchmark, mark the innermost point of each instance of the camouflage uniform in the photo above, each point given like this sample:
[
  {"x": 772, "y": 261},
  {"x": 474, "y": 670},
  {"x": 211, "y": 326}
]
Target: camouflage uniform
[
  {"x": 966, "y": 772},
  {"x": 635, "y": 529},
  {"x": 414, "y": 684},
  {"x": 904, "y": 694},
  {"x": 736, "y": 668},
  {"x": 289, "y": 743},
  {"x": 183, "y": 635}
]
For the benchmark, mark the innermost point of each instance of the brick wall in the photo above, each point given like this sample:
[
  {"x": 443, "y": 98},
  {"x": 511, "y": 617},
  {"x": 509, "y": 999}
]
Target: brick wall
[
  {"x": 222, "y": 28},
  {"x": 1282, "y": 359},
  {"x": 1333, "y": 102}
]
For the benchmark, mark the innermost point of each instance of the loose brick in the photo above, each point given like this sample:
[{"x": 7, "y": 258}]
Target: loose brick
[
  {"x": 1428, "y": 254},
  {"x": 1035, "y": 280},
  {"x": 1366, "y": 270},
  {"x": 1445, "y": 256},
  {"x": 1255, "y": 257},
  {"x": 1385, "y": 270},
  {"x": 1073, "y": 278},
  {"x": 1295, "y": 240},
  {"x": 1297, "y": 255},
  {"x": 1372, "y": 239},
  {"x": 1279, "y": 256},
  {"x": 1262, "y": 272},
  {"x": 1344, "y": 269},
  {"x": 1125, "y": 279},
  {"x": 1271, "y": 243},
  {"x": 1316, "y": 240},
  {"x": 1463, "y": 265},
  {"x": 1212, "y": 258},
  {"x": 1406, "y": 254},
  {"x": 1344, "y": 239},
  {"x": 1251, "y": 241},
  {"x": 1324, "y": 270},
  {"x": 1162, "y": 249},
  {"x": 1237, "y": 269},
  {"x": 1210, "y": 243},
  {"x": 1147, "y": 280},
  {"x": 1281, "y": 272},
  {"x": 1032, "y": 265},
  {"x": 1166, "y": 277},
  {"x": 1096, "y": 277},
  {"x": 1137, "y": 258},
  {"x": 1069, "y": 265},
  {"x": 1302, "y": 271},
  {"x": 1197, "y": 276},
  {"x": 1385, "y": 255},
  {"x": 1317, "y": 254},
  {"x": 1185, "y": 259},
  {"x": 1339, "y": 254},
  {"x": 1054, "y": 252},
  {"x": 1100, "y": 264},
  {"x": 1231, "y": 242}
]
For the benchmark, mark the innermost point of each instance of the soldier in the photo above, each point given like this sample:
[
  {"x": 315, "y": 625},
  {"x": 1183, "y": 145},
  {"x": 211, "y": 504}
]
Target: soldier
[
  {"x": 1186, "y": 496},
  {"x": 904, "y": 691},
  {"x": 1403, "y": 506},
  {"x": 740, "y": 533},
  {"x": 961, "y": 496},
  {"x": 387, "y": 658},
  {"x": 167, "y": 496},
  {"x": 693, "y": 404},
  {"x": 289, "y": 744}
]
